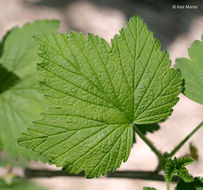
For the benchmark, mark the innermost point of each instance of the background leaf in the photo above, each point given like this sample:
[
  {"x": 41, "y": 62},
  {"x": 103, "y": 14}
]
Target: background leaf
[
  {"x": 149, "y": 188},
  {"x": 194, "y": 152},
  {"x": 192, "y": 71},
  {"x": 1, "y": 145},
  {"x": 7, "y": 79},
  {"x": 99, "y": 91},
  {"x": 19, "y": 184},
  {"x": 20, "y": 99},
  {"x": 197, "y": 184}
]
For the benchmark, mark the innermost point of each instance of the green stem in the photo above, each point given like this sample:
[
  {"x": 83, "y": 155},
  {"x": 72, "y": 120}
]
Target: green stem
[
  {"x": 167, "y": 185},
  {"x": 185, "y": 139},
  {"x": 144, "y": 175},
  {"x": 149, "y": 143}
]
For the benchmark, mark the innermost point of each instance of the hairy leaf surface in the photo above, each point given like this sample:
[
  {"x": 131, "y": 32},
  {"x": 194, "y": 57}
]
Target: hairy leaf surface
[
  {"x": 177, "y": 166},
  {"x": 99, "y": 91},
  {"x": 20, "y": 99},
  {"x": 192, "y": 71}
]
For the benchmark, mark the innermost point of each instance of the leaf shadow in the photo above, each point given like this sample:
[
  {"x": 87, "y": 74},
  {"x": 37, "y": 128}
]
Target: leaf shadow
[{"x": 7, "y": 79}]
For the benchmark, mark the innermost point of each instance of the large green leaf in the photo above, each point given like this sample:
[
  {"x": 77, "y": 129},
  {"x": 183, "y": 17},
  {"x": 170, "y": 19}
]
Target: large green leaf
[
  {"x": 192, "y": 71},
  {"x": 20, "y": 100},
  {"x": 99, "y": 91}
]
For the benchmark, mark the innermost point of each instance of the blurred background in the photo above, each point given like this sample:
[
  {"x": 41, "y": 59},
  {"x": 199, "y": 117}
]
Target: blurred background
[{"x": 176, "y": 29}]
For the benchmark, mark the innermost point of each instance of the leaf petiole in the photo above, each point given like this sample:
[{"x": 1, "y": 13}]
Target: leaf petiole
[
  {"x": 149, "y": 143},
  {"x": 185, "y": 140}
]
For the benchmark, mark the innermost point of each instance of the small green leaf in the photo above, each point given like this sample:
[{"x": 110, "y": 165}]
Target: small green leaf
[
  {"x": 184, "y": 175},
  {"x": 196, "y": 184},
  {"x": 20, "y": 99},
  {"x": 147, "y": 128},
  {"x": 177, "y": 166},
  {"x": 170, "y": 169},
  {"x": 100, "y": 92},
  {"x": 192, "y": 71},
  {"x": 151, "y": 128},
  {"x": 194, "y": 152},
  {"x": 149, "y": 188},
  {"x": 19, "y": 184}
]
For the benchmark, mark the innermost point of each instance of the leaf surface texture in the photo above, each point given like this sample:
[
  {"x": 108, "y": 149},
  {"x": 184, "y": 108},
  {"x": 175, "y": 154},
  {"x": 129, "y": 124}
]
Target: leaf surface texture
[{"x": 99, "y": 90}]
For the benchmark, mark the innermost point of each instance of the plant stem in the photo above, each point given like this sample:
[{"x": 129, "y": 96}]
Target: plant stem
[
  {"x": 185, "y": 139},
  {"x": 149, "y": 143},
  {"x": 144, "y": 175},
  {"x": 167, "y": 185}
]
